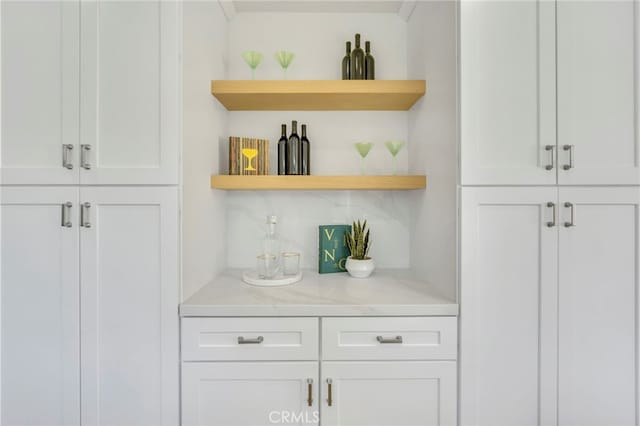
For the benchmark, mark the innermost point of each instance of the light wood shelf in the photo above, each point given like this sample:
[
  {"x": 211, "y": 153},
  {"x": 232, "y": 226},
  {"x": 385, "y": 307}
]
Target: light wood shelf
[
  {"x": 318, "y": 95},
  {"x": 356, "y": 182}
]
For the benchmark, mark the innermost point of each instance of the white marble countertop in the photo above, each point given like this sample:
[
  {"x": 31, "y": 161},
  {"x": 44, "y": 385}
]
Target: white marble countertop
[{"x": 386, "y": 293}]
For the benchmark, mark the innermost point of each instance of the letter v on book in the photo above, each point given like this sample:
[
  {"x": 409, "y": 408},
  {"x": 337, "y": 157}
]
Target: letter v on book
[{"x": 329, "y": 234}]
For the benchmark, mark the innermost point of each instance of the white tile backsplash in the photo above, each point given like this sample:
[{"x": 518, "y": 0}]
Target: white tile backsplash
[{"x": 301, "y": 212}]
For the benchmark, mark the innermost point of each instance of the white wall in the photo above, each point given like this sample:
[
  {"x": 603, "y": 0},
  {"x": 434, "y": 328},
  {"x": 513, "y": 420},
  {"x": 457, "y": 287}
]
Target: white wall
[
  {"x": 204, "y": 123},
  {"x": 318, "y": 40},
  {"x": 432, "y": 130}
]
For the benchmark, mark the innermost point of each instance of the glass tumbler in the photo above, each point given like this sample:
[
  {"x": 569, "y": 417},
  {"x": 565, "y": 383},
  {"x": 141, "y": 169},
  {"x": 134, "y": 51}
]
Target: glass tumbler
[
  {"x": 290, "y": 263},
  {"x": 266, "y": 266}
]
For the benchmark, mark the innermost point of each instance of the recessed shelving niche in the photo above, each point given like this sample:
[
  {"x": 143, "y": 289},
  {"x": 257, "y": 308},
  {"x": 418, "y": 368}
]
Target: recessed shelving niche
[
  {"x": 318, "y": 95},
  {"x": 279, "y": 182}
]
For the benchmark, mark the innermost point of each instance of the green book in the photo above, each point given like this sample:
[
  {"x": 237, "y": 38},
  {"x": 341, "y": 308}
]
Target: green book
[{"x": 333, "y": 248}]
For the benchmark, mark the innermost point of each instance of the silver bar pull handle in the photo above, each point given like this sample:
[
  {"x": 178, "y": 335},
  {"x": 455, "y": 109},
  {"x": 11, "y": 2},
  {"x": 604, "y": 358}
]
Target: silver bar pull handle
[
  {"x": 84, "y": 153},
  {"x": 84, "y": 215},
  {"x": 573, "y": 219},
  {"x": 552, "y": 223},
  {"x": 255, "y": 341},
  {"x": 551, "y": 148},
  {"x": 329, "y": 392},
  {"x": 309, "y": 392},
  {"x": 67, "y": 162},
  {"x": 66, "y": 210},
  {"x": 397, "y": 339},
  {"x": 570, "y": 149}
]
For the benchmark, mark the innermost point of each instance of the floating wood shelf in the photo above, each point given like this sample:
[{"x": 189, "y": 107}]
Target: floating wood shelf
[
  {"x": 318, "y": 95},
  {"x": 276, "y": 182}
]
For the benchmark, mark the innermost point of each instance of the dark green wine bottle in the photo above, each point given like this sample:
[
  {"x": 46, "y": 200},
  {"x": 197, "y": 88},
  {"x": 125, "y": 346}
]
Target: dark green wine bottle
[
  {"x": 282, "y": 152},
  {"x": 293, "y": 151},
  {"x": 305, "y": 168},
  {"x": 357, "y": 61},
  {"x": 346, "y": 63},
  {"x": 369, "y": 63}
]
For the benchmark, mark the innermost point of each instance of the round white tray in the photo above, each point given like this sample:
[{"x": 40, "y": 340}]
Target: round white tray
[{"x": 251, "y": 277}]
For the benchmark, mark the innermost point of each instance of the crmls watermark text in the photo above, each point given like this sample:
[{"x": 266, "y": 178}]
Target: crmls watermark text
[{"x": 293, "y": 417}]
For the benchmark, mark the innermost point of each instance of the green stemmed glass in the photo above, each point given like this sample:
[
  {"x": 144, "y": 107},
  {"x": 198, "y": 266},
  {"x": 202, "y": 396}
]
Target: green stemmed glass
[
  {"x": 363, "y": 149},
  {"x": 253, "y": 59},
  {"x": 284, "y": 58},
  {"x": 394, "y": 148}
]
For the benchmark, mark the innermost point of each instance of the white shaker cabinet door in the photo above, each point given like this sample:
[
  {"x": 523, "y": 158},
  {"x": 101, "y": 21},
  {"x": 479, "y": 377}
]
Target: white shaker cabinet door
[
  {"x": 508, "y": 302},
  {"x": 388, "y": 393},
  {"x": 598, "y": 88},
  {"x": 130, "y": 110},
  {"x": 598, "y": 306},
  {"x": 40, "y": 313},
  {"x": 249, "y": 393},
  {"x": 507, "y": 92},
  {"x": 40, "y": 61},
  {"x": 129, "y": 299}
]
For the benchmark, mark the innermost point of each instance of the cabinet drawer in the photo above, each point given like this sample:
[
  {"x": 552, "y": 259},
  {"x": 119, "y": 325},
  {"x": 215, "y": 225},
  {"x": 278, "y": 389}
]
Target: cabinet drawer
[
  {"x": 245, "y": 339},
  {"x": 389, "y": 338}
]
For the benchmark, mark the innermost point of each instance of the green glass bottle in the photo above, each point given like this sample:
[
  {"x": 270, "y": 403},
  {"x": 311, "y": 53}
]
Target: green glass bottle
[
  {"x": 346, "y": 63},
  {"x": 369, "y": 63},
  {"x": 357, "y": 61}
]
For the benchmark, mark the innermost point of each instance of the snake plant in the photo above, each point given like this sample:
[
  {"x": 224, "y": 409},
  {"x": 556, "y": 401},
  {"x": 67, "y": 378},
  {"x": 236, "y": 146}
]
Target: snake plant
[{"x": 358, "y": 241}]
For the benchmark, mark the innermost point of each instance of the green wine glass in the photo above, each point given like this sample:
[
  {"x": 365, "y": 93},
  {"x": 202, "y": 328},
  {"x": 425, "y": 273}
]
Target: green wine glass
[
  {"x": 284, "y": 58},
  {"x": 363, "y": 149},
  {"x": 394, "y": 148},
  {"x": 253, "y": 59}
]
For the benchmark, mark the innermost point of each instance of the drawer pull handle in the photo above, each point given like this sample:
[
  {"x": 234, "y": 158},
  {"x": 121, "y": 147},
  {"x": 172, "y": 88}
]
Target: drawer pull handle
[
  {"x": 309, "y": 392},
  {"x": 256, "y": 341},
  {"x": 397, "y": 339},
  {"x": 329, "y": 392}
]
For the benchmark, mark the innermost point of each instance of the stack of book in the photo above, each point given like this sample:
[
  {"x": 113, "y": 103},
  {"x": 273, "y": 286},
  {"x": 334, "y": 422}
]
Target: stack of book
[{"x": 248, "y": 156}]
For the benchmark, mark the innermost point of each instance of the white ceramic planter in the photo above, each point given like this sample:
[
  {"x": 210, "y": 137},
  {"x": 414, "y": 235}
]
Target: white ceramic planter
[{"x": 360, "y": 268}]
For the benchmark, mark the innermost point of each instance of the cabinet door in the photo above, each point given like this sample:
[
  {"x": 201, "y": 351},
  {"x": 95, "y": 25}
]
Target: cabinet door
[
  {"x": 508, "y": 304},
  {"x": 399, "y": 393},
  {"x": 129, "y": 299},
  {"x": 129, "y": 92},
  {"x": 40, "y": 61},
  {"x": 598, "y": 48},
  {"x": 40, "y": 321},
  {"x": 249, "y": 393},
  {"x": 598, "y": 305},
  {"x": 507, "y": 92}
]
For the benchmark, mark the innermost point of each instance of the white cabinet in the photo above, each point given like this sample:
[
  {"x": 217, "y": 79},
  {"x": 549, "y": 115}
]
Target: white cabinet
[
  {"x": 523, "y": 61},
  {"x": 89, "y": 298},
  {"x": 598, "y": 50},
  {"x": 129, "y": 82},
  {"x": 598, "y": 307},
  {"x": 40, "y": 314},
  {"x": 129, "y": 295},
  {"x": 40, "y": 91},
  {"x": 549, "y": 306},
  {"x": 249, "y": 394},
  {"x": 90, "y": 92},
  {"x": 385, "y": 393},
  {"x": 508, "y": 306},
  {"x": 413, "y": 380},
  {"x": 507, "y": 92}
]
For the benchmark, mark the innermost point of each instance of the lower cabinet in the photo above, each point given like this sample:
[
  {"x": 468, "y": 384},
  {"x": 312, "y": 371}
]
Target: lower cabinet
[
  {"x": 549, "y": 306},
  {"x": 389, "y": 393},
  {"x": 249, "y": 393},
  {"x": 403, "y": 372},
  {"x": 89, "y": 292}
]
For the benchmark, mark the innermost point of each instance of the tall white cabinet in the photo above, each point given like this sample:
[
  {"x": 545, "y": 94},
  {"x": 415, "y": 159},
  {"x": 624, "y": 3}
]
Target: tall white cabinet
[
  {"x": 90, "y": 100},
  {"x": 549, "y": 286},
  {"x": 90, "y": 92},
  {"x": 526, "y": 64}
]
